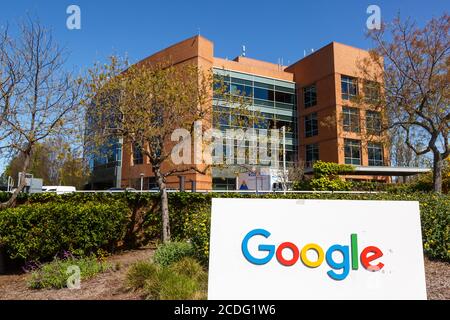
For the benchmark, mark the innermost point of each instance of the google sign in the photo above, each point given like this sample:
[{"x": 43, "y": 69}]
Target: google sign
[
  {"x": 369, "y": 254},
  {"x": 315, "y": 249}
]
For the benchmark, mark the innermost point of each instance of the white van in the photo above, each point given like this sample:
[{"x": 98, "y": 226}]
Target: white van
[{"x": 58, "y": 189}]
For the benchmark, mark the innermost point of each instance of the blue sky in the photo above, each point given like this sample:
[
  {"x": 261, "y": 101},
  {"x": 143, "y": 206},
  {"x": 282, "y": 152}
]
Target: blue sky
[{"x": 269, "y": 29}]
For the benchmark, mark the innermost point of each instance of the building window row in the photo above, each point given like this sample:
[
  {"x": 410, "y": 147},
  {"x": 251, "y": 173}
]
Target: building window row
[
  {"x": 259, "y": 91},
  {"x": 352, "y": 152},
  {"x": 351, "y": 121},
  {"x": 349, "y": 89}
]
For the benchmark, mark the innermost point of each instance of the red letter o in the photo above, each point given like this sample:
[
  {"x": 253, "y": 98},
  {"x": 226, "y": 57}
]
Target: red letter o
[{"x": 295, "y": 254}]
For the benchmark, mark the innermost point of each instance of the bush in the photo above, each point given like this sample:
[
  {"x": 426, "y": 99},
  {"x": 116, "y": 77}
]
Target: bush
[
  {"x": 326, "y": 178},
  {"x": 330, "y": 169},
  {"x": 190, "y": 217},
  {"x": 56, "y": 273},
  {"x": 171, "y": 252},
  {"x": 182, "y": 280},
  {"x": 435, "y": 218},
  {"x": 139, "y": 273},
  {"x": 189, "y": 267},
  {"x": 168, "y": 285},
  {"x": 40, "y": 231}
]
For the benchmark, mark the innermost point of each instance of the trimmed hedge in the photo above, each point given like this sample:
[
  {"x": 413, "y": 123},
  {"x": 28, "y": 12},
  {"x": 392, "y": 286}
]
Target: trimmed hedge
[
  {"x": 40, "y": 231},
  {"x": 190, "y": 218}
]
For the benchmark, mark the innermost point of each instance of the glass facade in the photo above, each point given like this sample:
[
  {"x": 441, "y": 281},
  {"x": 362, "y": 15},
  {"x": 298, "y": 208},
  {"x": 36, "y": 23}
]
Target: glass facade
[{"x": 274, "y": 100}]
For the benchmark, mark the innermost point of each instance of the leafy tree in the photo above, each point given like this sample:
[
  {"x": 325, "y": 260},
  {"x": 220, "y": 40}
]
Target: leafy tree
[
  {"x": 414, "y": 86},
  {"x": 144, "y": 104}
]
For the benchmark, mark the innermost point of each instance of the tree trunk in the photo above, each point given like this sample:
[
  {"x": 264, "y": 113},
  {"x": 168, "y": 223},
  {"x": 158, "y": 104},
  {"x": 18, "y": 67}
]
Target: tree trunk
[
  {"x": 20, "y": 185},
  {"x": 438, "y": 164},
  {"x": 164, "y": 200}
]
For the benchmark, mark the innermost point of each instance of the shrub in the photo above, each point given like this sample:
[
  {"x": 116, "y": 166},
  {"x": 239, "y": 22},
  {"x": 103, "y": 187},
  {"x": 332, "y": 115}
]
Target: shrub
[
  {"x": 327, "y": 184},
  {"x": 326, "y": 178},
  {"x": 169, "y": 285},
  {"x": 171, "y": 252},
  {"x": 435, "y": 218},
  {"x": 139, "y": 273},
  {"x": 189, "y": 267},
  {"x": 56, "y": 273},
  {"x": 190, "y": 217},
  {"x": 40, "y": 231},
  {"x": 330, "y": 169},
  {"x": 182, "y": 280}
]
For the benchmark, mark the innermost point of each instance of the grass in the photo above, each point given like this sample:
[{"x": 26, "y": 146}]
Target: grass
[
  {"x": 182, "y": 280},
  {"x": 171, "y": 252},
  {"x": 56, "y": 273}
]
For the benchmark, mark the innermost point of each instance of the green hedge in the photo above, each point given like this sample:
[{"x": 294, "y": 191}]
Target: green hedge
[
  {"x": 40, "y": 231},
  {"x": 190, "y": 218}
]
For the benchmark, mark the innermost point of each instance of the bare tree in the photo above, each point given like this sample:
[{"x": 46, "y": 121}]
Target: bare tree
[
  {"x": 415, "y": 85},
  {"x": 39, "y": 99},
  {"x": 144, "y": 104}
]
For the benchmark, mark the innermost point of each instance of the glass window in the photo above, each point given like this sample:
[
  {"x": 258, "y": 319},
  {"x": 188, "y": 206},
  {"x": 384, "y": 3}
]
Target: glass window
[
  {"x": 352, "y": 150},
  {"x": 241, "y": 81},
  {"x": 239, "y": 89},
  {"x": 264, "y": 94},
  {"x": 375, "y": 153},
  {"x": 351, "y": 119},
  {"x": 284, "y": 89},
  {"x": 138, "y": 157},
  {"x": 371, "y": 91},
  {"x": 311, "y": 125},
  {"x": 263, "y": 85},
  {"x": 284, "y": 97},
  {"x": 349, "y": 87},
  {"x": 310, "y": 96},
  {"x": 312, "y": 154},
  {"x": 373, "y": 122}
]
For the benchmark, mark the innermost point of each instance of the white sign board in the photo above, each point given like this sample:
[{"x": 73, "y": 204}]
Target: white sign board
[{"x": 315, "y": 249}]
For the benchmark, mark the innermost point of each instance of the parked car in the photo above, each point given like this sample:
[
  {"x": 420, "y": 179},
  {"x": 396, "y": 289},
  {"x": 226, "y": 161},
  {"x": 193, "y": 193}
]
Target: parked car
[{"x": 59, "y": 189}]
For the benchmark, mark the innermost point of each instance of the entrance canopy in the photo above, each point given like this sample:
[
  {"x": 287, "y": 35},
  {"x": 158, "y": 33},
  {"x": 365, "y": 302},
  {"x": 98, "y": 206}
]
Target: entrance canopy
[{"x": 382, "y": 171}]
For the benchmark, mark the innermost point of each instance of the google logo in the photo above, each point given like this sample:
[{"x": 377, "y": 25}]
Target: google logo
[{"x": 349, "y": 255}]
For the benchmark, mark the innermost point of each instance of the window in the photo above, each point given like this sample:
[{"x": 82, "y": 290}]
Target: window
[
  {"x": 349, "y": 87},
  {"x": 310, "y": 96},
  {"x": 371, "y": 91},
  {"x": 373, "y": 122},
  {"x": 284, "y": 97},
  {"x": 241, "y": 90},
  {"x": 350, "y": 119},
  {"x": 352, "y": 151},
  {"x": 375, "y": 152},
  {"x": 138, "y": 157},
  {"x": 311, "y": 125},
  {"x": 312, "y": 154},
  {"x": 264, "y": 94}
]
